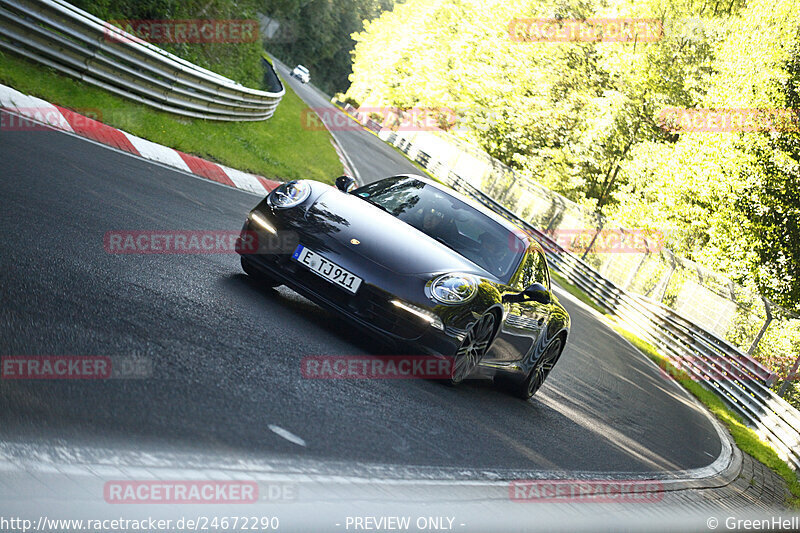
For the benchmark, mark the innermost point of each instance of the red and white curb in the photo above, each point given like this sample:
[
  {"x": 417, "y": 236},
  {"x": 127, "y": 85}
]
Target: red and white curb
[{"x": 60, "y": 118}]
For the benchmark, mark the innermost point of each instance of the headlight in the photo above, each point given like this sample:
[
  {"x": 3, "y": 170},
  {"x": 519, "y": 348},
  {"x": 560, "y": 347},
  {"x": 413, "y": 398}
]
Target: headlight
[
  {"x": 290, "y": 194},
  {"x": 454, "y": 288}
]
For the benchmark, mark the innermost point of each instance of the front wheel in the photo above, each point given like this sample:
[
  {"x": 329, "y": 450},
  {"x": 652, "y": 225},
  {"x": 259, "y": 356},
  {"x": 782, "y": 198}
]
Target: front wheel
[
  {"x": 472, "y": 349},
  {"x": 541, "y": 369},
  {"x": 257, "y": 274}
]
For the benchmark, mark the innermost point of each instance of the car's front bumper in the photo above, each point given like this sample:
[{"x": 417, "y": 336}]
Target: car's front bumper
[{"x": 370, "y": 307}]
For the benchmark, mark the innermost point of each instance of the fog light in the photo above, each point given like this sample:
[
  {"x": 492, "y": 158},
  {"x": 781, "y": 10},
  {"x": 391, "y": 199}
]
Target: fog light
[
  {"x": 261, "y": 221},
  {"x": 425, "y": 315}
]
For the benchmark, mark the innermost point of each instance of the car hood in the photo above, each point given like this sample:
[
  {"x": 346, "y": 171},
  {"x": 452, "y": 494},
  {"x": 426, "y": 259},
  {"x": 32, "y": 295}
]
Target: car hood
[{"x": 364, "y": 229}]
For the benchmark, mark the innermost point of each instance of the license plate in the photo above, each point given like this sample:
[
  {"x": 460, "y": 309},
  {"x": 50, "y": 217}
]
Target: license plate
[{"x": 326, "y": 269}]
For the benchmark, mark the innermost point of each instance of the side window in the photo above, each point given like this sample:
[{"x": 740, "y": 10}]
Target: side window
[
  {"x": 541, "y": 274},
  {"x": 527, "y": 271}
]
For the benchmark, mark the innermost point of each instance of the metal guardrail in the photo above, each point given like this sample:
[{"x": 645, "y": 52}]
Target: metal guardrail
[
  {"x": 718, "y": 366},
  {"x": 739, "y": 380},
  {"x": 74, "y": 42}
]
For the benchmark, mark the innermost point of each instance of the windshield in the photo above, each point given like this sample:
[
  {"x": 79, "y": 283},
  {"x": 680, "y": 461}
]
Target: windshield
[{"x": 450, "y": 221}]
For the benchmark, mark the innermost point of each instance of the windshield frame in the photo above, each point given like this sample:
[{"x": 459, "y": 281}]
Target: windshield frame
[{"x": 475, "y": 212}]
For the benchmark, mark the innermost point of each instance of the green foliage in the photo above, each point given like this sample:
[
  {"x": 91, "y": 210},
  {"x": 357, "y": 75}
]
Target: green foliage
[
  {"x": 346, "y": 100},
  {"x": 567, "y": 114},
  {"x": 771, "y": 201},
  {"x": 238, "y": 61},
  {"x": 320, "y": 36},
  {"x": 279, "y": 148},
  {"x": 584, "y": 118}
]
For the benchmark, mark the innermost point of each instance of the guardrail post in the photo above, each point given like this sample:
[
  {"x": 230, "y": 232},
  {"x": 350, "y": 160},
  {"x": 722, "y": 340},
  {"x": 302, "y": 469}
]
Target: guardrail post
[
  {"x": 508, "y": 184},
  {"x": 667, "y": 278},
  {"x": 767, "y": 308},
  {"x": 632, "y": 276},
  {"x": 600, "y": 222},
  {"x": 559, "y": 208}
]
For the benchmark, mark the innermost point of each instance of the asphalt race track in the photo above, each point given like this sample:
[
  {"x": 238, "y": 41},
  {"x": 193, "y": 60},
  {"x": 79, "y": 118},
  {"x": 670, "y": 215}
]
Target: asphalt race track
[
  {"x": 372, "y": 158},
  {"x": 226, "y": 352}
]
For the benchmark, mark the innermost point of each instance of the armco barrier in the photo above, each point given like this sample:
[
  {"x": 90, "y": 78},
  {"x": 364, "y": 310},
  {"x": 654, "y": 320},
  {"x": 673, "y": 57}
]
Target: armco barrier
[
  {"x": 741, "y": 382},
  {"x": 715, "y": 364},
  {"x": 74, "y": 42}
]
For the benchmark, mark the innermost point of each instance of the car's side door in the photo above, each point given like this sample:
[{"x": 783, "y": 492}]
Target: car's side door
[{"x": 524, "y": 318}]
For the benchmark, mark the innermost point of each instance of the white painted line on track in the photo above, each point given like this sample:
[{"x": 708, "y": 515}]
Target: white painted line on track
[{"x": 288, "y": 435}]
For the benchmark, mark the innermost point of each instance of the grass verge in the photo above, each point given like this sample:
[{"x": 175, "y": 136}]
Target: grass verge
[
  {"x": 278, "y": 148},
  {"x": 745, "y": 438}
]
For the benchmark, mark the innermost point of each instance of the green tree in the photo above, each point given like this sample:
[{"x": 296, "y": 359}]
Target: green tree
[
  {"x": 771, "y": 203},
  {"x": 321, "y": 35}
]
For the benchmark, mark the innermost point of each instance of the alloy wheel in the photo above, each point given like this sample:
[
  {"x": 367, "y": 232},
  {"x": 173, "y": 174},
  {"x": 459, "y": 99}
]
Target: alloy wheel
[
  {"x": 473, "y": 348},
  {"x": 543, "y": 366}
]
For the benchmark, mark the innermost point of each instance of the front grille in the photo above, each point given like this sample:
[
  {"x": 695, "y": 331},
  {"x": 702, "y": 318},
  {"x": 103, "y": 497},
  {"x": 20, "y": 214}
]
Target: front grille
[
  {"x": 370, "y": 303},
  {"x": 376, "y": 308}
]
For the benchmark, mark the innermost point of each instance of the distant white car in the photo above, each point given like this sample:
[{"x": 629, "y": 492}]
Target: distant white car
[{"x": 301, "y": 73}]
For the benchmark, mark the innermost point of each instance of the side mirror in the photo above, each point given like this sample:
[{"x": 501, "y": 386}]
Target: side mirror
[
  {"x": 345, "y": 183},
  {"x": 538, "y": 293}
]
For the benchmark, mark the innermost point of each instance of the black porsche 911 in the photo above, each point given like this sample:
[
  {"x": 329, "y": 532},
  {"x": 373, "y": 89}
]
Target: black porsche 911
[{"x": 422, "y": 265}]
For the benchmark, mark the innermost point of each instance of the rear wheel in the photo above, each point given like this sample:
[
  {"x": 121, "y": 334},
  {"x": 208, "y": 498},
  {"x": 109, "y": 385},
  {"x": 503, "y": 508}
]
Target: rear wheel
[
  {"x": 472, "y": 349},
  {"x": 257, "y": 274},
  {"x": 526, "y": 388}
]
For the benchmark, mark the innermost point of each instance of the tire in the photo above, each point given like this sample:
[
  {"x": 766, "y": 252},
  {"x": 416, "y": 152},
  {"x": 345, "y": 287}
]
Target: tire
[
  {"x": 474, "y": 346},
  {"x": 258, "y": 275},
  {"x": 526, "y": 388}
]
